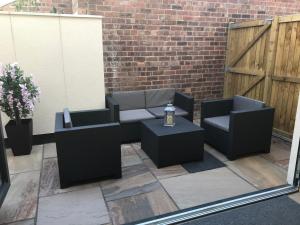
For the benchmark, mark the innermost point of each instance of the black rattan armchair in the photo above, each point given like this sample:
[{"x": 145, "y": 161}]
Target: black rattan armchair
[
  {"x": 237, "y": 126},
  {"x": 88, "y": 146}
]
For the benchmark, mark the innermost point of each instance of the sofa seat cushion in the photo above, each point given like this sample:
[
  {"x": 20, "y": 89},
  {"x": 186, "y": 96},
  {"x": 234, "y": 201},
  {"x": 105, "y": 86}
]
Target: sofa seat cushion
[
  {"x": 244, "y": 103},
  {"x": 158, "y": 112},
  {"x": 135, "y": 115},
  {"x": 128, "y": 100},
  {"x": 221, "y": 122},
  {"x": 159, "y": 97}
]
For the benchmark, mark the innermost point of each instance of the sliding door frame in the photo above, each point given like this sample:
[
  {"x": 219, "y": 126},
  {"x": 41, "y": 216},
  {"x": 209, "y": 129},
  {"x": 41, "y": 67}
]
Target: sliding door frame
[
  {"x": 4, "y": 172},
  {"x": 294, "y": 163}
]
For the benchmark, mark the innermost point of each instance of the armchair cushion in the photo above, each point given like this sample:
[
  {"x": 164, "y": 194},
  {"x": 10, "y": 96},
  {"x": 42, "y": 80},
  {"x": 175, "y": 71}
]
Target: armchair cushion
[
  {"x": 244, "y": 103},
  {"x": 130, "y": 99},
  {"x": 134, "y": 115},
  {"x": 159, "y": 97},
  {"x": 221, "y": 122},
  {"x": 67, "y": 119},
  {"x": 158, "y": 112}
]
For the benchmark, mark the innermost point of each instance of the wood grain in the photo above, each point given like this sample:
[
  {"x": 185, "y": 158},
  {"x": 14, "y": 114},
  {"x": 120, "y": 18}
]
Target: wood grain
[{"x": 253, "y": 51}]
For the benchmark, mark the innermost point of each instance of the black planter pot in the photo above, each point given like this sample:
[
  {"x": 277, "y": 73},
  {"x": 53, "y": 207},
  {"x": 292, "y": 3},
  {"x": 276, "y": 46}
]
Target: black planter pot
[{"x": 20, "y": 136}]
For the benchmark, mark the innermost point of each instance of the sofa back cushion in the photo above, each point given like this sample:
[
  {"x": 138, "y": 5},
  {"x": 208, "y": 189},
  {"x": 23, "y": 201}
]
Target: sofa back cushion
[
  {"x": 159, "y": 97},
  {"x": 130, "y": 99},
  {"x": 244, "y": 103}
]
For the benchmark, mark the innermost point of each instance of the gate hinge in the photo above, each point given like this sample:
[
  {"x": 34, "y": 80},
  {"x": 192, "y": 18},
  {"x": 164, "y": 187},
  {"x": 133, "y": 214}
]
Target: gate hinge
[
  {"x": 227, "y": 69},
  {"x": 232, "y": 25},
  {"x": 268, "y": 21}
]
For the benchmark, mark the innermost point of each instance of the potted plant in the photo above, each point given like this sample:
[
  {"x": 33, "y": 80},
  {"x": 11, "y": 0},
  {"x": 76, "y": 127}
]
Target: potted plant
[{"x": 18, "y": 95}]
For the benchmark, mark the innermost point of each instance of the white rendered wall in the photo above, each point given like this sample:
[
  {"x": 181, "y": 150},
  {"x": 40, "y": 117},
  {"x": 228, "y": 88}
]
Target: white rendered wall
[{"x": 64, "y": 54}]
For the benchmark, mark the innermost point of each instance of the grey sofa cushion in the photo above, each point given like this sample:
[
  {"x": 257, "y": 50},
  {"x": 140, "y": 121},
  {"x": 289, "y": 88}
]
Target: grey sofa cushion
[
  {"x": 158, "y": 112},
  {"x": 134, "y": 115},
  {"x": 67, "y": 119},
  {"x": 221, "y": 122},
  {"x": 244, "y": 103},
  {"x": 130, "y": 99},
  {"x": 159, "y": 97}
]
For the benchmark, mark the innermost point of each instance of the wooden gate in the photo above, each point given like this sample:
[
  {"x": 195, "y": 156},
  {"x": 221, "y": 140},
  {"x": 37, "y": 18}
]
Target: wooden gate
[{"x": 262, "y": 62}]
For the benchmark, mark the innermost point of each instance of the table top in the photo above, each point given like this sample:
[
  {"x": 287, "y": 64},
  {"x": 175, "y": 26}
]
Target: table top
[{"x": 182, "y": 125}]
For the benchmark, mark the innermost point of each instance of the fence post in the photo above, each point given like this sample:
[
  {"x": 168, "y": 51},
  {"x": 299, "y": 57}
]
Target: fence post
[
  {"x": 227, "y": 78},
  {"x": 271, "y": 57}
]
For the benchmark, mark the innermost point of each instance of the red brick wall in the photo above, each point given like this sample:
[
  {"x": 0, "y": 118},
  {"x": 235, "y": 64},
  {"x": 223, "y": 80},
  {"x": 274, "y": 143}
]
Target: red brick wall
[
  {"x": 173, "y": 43},
  {"x": 170, "y": 43}
]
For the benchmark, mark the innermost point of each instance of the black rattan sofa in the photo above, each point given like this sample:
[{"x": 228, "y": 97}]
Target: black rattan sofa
[
  {"x": 237, "y": 126},
  {"x": 88, "y": 146},
  {"x": 130, "y": 108}
]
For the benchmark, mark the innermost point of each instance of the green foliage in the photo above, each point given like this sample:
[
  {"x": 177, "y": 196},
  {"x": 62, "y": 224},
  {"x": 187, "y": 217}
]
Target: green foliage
[
  {"x": 53, "y": 10},
  {"x": 21, "y": 4}
]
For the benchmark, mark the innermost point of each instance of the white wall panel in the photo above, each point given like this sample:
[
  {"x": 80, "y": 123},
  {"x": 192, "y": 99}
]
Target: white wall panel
[
  {"x": 38, "y": 51},
  {"x": 6, "y": 43},
  {"x": 7, "y": 52},
  {"x": 64, "y": 54},
  {"x": 83, "y": 63}
]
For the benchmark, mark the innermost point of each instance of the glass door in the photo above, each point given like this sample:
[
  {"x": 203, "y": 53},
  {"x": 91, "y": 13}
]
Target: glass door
[{"x": 4, "y": 173}]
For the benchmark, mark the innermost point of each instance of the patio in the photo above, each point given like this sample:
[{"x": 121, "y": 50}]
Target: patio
[
  {"x": 106, "y": 78},
  {"x": 144, "y": 191}
]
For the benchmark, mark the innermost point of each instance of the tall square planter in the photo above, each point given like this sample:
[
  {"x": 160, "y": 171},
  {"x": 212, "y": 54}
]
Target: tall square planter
[{"x": 20, "y": 136}]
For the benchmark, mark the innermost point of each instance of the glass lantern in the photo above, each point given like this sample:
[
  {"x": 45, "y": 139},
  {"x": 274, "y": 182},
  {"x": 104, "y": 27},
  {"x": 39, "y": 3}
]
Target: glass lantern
[{"x": 169, "y": 119}]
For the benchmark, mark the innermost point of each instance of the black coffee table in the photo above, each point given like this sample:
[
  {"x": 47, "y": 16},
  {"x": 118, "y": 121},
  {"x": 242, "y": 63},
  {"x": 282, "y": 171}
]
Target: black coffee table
[{"x": 168, "y": 146}]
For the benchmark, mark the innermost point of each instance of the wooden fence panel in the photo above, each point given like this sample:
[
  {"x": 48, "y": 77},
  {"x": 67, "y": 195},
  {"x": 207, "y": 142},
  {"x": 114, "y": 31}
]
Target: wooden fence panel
[
  {"x": 244, "y": 74},
  {"x": 262, "y": 62}
]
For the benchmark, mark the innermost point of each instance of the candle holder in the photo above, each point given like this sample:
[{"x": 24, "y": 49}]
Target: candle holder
[{"x": 169, "y": 118}]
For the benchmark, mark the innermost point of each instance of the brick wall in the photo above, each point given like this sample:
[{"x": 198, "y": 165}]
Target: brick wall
[
  {"x": 173, "y": 43},
  {"x": 170, "y": 43}
]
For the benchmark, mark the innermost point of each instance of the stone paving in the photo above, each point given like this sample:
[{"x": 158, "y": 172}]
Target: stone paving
[{"x": 144, "y": 191}]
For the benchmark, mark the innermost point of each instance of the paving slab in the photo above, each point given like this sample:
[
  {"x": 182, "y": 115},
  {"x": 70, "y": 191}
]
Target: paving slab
[
  {"x": 259, "y": 171},
  {"x": 278, "y": 143},
  {"x": 204, "y": 187},
  {"x": 50, "y": 150},
  {"x": 139, "y": 151},
  {"x": 129, "y": 156},
  {"x": 135, "y": 180},
  {"x": 25, "y": 163},
  {"x": 277, "y": 153},
  {"x": 23, "y": 222},
  {"x": 50, "y": 184},
  {"x": 215, "y": 153},
  {"x": 166, "y": 172},
  {"x": 141, "y": 206},
  {"x": 22, "y": 197},
  {"x": 84, "y": 207}
]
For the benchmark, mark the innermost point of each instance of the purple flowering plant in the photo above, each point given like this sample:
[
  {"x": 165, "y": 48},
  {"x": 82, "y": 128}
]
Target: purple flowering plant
[{"x": 18, "y": 93}]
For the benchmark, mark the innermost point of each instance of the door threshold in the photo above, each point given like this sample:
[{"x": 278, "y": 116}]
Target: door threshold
[{"x": 219, "y": 206}]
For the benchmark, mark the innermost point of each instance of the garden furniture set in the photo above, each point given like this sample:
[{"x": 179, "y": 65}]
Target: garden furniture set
[{"x": 88, "y": 142}]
